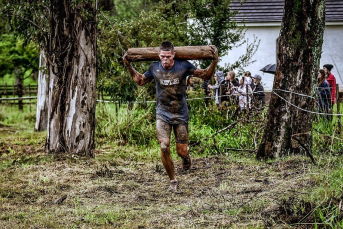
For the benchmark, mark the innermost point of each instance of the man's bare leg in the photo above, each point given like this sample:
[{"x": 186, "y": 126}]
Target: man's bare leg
[
  {"x": 182, "y": 151},
  {"x": 168, "y": 162},
  {"x": 166, "y": 158}
]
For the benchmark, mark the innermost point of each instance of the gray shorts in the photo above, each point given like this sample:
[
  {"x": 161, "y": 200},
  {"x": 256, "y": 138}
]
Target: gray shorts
[{"x": 180, "y": 131}]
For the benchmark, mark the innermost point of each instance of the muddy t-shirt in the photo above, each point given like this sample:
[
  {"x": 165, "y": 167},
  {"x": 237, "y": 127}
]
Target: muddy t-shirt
[{"x": 171, "y": 90}]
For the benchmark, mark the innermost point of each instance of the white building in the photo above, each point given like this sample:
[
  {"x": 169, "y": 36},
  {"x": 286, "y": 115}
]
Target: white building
[{"x": 263, "y": 19}]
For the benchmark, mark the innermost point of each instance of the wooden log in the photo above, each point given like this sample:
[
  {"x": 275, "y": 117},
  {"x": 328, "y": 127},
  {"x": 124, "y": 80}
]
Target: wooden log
[{"x": 182, "y": 52}]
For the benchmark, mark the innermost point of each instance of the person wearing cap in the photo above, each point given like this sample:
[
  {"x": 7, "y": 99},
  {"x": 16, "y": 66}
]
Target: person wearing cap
[
  {"x": 219, "y": 78},
  {"x": 331, "y": 80},
  {"x": 258, "y": 99}
]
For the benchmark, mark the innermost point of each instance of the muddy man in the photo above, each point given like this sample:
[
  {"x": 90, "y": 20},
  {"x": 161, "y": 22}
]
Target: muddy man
[{"x": 172, "y": 112}]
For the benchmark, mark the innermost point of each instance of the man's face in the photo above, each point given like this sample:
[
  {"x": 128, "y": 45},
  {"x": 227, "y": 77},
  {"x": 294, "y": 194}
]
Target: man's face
[
  {"x": 255, "y": 80},
  {"x": 167, "y": 58}
]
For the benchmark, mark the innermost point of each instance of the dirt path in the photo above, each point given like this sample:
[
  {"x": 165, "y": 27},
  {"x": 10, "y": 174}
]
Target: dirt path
[{"x": 120, "y": 189}]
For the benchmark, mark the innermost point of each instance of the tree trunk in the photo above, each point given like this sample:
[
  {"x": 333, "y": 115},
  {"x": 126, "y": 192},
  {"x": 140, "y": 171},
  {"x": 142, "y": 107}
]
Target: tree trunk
[
  {"x": 42, "y": 95},
  {"x": 299, "y": 48},
  {"x": 182, "y": 52},
  {"x": 72, "y": 70}
]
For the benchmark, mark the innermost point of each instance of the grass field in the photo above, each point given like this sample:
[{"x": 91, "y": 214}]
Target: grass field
[{"x": 126, "y": 186}]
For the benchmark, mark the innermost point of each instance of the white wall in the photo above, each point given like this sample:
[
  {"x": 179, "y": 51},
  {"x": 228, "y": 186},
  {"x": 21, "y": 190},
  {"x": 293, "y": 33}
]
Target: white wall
[
  {"x": 266, "y": 53},
  {"x": 333, "y": 52}
]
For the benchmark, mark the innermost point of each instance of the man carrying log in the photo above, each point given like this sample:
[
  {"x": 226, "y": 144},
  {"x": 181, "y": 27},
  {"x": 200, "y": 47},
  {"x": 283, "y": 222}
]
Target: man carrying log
[{"x": 172, "y": 112}]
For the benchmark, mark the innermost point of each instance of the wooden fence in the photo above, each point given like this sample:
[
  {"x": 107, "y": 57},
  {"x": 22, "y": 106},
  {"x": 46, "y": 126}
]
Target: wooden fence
[{"x": 11, "y": 91}]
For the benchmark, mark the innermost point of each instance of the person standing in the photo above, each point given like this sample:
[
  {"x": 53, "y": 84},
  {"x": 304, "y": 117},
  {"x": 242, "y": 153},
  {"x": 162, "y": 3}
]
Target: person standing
[
  {"x": 330, "y": 78},
  {"x": 324, "y": 93},
  {"x": 258, "y": 99},
  {"x": 248, "y": 74},
  {"x": 231, "y": 85},
  {"x": 245, "y": 93},
  {"x": 170, "y": 77},
  {"x": 231, "y": 79},
  {"x": 219, "y": 78}
]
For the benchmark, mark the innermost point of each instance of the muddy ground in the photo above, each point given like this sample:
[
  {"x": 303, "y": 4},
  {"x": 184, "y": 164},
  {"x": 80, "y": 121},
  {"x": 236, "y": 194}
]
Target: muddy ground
[{"x": 122, "y": 188}]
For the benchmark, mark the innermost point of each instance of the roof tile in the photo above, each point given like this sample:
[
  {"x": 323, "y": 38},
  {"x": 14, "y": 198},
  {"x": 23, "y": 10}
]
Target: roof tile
[{"x": 272, "y": 10}]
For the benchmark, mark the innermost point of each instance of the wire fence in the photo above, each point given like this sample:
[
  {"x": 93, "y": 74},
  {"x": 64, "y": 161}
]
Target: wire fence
[{"x": 207, "y": 97}]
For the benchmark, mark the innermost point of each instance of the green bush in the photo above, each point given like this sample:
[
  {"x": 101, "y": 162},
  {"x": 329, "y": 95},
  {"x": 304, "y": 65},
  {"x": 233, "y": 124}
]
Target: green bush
[{"x": 126, "y": 123}]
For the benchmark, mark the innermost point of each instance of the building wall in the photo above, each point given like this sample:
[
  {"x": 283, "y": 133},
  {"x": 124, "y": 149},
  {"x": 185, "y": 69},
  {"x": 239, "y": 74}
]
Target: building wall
[{"x": 266, "y": 53}]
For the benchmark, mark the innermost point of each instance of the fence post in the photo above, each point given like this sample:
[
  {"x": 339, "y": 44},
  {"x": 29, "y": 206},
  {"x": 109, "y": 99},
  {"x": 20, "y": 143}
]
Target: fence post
[
  {"x": 13, "y": 91},
  {"x": 338, "y": 107},
  {"x": 29, "y": 92},
  {"x": 248, "y": 98},
  {"x": 6, "y": 91}
]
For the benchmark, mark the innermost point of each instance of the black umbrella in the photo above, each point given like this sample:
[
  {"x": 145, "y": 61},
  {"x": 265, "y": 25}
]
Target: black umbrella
[{"x": 270, "y": 68}]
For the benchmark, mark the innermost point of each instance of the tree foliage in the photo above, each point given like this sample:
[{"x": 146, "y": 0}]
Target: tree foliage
[
  {"x": 16, "y": 56},
  {"x": 140, "y": 23},
  {"x": 213, "y": 22},
  {"x": 192, "y": 22},
  {"x": 115, "y": 37}
]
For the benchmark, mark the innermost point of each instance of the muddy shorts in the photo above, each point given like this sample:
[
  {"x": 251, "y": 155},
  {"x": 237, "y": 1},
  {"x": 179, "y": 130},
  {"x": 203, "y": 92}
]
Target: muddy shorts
[{"x": 180, "y": 131}]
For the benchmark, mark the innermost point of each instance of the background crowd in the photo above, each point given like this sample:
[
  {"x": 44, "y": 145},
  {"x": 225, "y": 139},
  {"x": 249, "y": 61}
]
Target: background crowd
[{"x": 248, "y": 92}]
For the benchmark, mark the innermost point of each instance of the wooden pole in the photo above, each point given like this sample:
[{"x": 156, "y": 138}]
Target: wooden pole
[
  {"x": 338, "y": 107},
  {"x": 28, "y": 87},
  {"x": 182, "y": 52},
  {"x": 6, "y": 91},
  {"x": 13, "y": 91},
  {"x": 247, "y": 97}
]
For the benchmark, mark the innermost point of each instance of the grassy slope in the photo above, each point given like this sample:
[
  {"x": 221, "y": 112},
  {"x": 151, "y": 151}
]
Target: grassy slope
[{"x": 126, "y": 186}]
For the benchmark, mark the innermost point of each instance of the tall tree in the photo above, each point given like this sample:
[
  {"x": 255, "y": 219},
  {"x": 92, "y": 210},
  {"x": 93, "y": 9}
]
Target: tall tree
[
  {"x": 213, "y": 22},
  {"x": 72, "y": 71},
  {"x": 66, "y": 32},
  {"x": 298, "y": 53}
]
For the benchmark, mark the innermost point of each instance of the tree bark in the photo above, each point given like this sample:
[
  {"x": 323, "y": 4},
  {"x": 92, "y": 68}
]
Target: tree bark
[
  {"x": 72, "y": 86},
  {"x": 298, "y": 54},
  {"x": 42, "y": 96},
  {"x": 182, "y": 52}
]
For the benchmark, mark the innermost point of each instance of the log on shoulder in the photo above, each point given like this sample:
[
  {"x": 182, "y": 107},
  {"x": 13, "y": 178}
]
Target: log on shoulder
[{"x": 182, "y": 52}]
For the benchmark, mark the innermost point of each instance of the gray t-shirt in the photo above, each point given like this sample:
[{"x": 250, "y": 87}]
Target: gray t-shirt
[{"x": 171, "y": 90}]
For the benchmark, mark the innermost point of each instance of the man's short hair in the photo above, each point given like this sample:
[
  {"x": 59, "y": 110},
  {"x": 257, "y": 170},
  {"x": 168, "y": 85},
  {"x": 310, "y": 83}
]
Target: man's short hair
[{"x": 167, "y": 46}]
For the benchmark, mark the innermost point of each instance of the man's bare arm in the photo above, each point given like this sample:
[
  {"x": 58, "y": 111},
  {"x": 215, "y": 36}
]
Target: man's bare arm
[
  {"x": 207, "y": 73},
  {"x": 139, "y": 78}
]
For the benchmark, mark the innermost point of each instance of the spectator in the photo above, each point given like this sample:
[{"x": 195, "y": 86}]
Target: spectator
[
  {"x": 258, "y": 100},
  {"x": 245, "y": 93},
  {"x": 324, "y": 94},
  {"x": 248, "y": 74},
  {"x": 231, "y": 79},
  {"x": 231, "y": 85},
  {"x": 219, "y": 77},
  {"x": 330, "y": 78}
]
